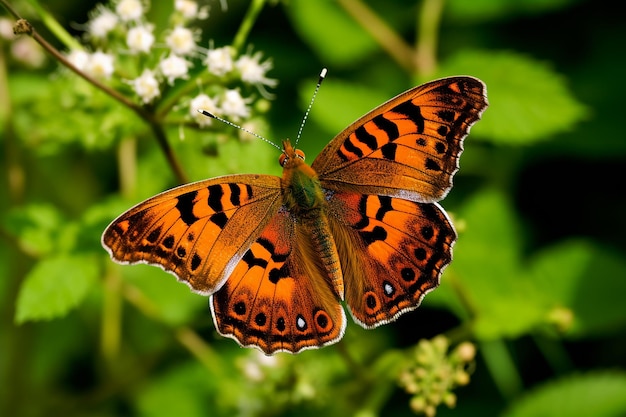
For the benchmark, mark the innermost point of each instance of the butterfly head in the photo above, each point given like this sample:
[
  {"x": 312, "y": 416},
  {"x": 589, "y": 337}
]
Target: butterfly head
[{"x": 290, "y": 157}]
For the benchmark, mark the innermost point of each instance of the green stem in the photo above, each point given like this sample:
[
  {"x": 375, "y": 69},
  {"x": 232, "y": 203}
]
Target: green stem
[
  {"x": 246, "y": 25},
  {"x": 502, "y": 368},
  {"x": 388, "y": 39},
  {"x": 111, "y": 315},
  {"x": 127, "y": 166},
  {"x": 201, "y": 350},
  {"x": 54, "y": 27},
  {"x": 185, "y": 336},
  {"x": 554, "y": 353},
  {"x": 429, "y": 19}
]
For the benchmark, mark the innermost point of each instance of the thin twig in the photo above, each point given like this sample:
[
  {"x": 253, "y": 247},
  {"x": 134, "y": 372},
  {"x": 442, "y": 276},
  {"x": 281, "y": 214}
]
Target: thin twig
[
  {"x": 246, "y": 25},
  {"x": 389, "y": 40},
  {"x": 429, "y": 19},
  {"x": 22, "y": 26}
]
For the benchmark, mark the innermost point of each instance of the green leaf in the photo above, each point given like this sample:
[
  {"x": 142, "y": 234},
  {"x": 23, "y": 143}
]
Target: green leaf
[
  {"x": 573, "y": 286},
  {"x": 331, "y": 32},
  {"x": 597, "y": 305},
  {"x": 599, "y": 394},
  {"x": 487, "y": 269},
  {"x": 36, "y": 227},
  {"x": 54, "y": 286},
  {"x": 529, "y": 101},
  {"x": 90, "y": 117}
]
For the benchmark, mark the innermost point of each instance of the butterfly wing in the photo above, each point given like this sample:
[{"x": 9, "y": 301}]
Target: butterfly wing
[
  {"x": 198, "y": 231},
  {"x": 382, "y": 177},
  {"x": 279, "y": 297},
  {"x": 393, "y": 252},
  {"x": 409, "y": 147}
]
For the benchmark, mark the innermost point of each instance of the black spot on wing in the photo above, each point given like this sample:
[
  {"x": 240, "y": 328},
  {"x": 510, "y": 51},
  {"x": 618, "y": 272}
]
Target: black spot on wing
[
  {"x": 184, "y": 205},
  {"x": 387, "y": 126},
  {"x": 412, "y": 112},
  {"x": 378, "y": 233},
  {"x": 219, "y": 219},
  {"x": 215, "y": 197},
  {"x": 385, "y": 207},
  {"x": 389, "y": 151},
  {"x": 350, "y": 146},
  {"x": 251, "y": 260},
  {"x": 432, "y": 165},
  {"x": 235, "y": 194}
]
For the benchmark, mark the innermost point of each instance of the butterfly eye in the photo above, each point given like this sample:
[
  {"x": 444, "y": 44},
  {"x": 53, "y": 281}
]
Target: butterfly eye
[
  {"x": 300, "y": 154},
  {"x": 282, "y": 159}
]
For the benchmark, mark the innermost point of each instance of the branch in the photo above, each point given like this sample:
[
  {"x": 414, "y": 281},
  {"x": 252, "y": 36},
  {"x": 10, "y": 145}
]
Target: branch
[
  {"x": 22, "y": 27},
  {"x": 389, "y": 40}
]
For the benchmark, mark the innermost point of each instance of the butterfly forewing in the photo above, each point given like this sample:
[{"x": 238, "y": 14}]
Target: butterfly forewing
[
  {"x": 197, "y": 231},
  {"x": 410, "y": 146}
]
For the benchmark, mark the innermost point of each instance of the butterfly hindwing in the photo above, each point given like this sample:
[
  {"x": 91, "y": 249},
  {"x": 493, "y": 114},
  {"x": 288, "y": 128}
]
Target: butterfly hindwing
[
  {"x": 278, "y": 297},
  {"x": 197, "y": 231},
  {"x": 396, "y": 249},
  {"x": 408, "y": 147}
]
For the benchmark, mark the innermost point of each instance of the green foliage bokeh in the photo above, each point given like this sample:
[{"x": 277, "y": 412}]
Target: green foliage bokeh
[{"x": 539, "y": 270}]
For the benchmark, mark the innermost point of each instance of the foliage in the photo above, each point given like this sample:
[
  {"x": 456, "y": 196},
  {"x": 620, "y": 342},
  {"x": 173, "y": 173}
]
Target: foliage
[{"x": 536, "y": 284}]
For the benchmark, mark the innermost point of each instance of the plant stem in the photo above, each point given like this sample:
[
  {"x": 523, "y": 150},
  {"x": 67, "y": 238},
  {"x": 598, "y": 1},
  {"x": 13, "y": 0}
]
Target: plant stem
[
  {"x": 186, "y": 336},
  {"x": 24, "y": 27},
  {"x": 388, "y": 39},
  {"x": 201, "y": 350},
  {"x": 429, "y": 19},
  {"x": 111, "y": 315},
  {"x": 501, "y": 367},
  {"x": 127, "y": 166},
  {"x": 54, "y": 26},
  {"x": 246, "y": 25}
]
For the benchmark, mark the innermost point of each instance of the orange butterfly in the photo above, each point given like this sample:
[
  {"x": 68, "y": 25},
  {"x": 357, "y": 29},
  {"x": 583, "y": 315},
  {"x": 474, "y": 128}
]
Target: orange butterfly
[{"x": 361, "y": 224}]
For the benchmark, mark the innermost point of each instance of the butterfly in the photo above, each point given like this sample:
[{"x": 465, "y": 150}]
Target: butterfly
[{"x": 361, "y": 224}]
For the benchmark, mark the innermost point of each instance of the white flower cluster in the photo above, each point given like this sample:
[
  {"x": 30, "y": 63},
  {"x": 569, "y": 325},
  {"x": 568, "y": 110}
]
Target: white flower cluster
[{"x": 160, "y": 59}]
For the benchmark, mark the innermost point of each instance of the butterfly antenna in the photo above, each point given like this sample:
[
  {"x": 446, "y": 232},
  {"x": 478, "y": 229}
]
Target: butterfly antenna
[
  {"x": 308, "y": 110},
  {"x": 256, "y": 135}
]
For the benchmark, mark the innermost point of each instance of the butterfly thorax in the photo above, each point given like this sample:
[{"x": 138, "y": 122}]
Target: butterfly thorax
[{"x": 302, "y": 191}]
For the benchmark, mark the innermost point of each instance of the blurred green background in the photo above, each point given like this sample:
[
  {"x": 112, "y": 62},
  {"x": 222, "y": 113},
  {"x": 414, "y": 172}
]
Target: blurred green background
[{"x": 539, "y": 273}]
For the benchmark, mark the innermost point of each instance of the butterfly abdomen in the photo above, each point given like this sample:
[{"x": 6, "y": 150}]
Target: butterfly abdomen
[{"x": 304, "y": 198}]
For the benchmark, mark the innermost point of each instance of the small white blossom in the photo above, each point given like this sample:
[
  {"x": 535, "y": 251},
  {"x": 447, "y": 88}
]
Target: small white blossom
[
  {"x": 257, "y": 366},
  {"x": 203, "y": 102},
  {"x": 219, "y": 60},
  {"x": 235, "y": 106},
  {"x": 6, "y": 28},
  {"x": 100, "y": 65},
  {"x": 190, "y": 10},
  {"x": 174, "y": 67},
  {"x": 129, "y": 10},
  {"x": 79, "y": 59},
  {"x": 146, "y": 86},
  {"x": 140, "y": 39},
  {"x": 102, "y": 22},
  {"x": 25, "y": 50},
  {"x": 181, "y": 41},
  {"x": 253, "y": 71}
]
